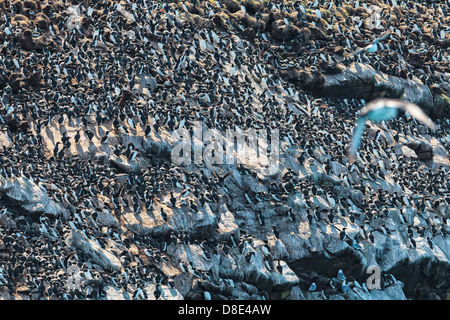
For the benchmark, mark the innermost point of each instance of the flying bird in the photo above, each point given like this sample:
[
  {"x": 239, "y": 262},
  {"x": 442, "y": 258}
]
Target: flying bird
[
  {"x": 384, "y": 109},
  {"x": 373, "y": 47},
  {"x": 312, "y": 287}
]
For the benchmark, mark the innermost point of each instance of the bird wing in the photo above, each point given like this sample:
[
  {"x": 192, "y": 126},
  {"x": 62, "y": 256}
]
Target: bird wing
[
  {"x": 356, "y": 138},
  {"x": 355, "y": 53},
  {"x": 415, "y": 111},
  {"x": 384, "y": 35}
]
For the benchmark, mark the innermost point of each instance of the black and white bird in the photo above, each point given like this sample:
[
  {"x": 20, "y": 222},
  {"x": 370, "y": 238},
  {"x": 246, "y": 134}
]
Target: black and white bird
[
  {"x": 163, "y": 214},
  {"x": 173, "y": 200},
  {"x": 77, "y": 137},
  {"x": 148, "y": 130},
  {"x": 105, "y": 137}
]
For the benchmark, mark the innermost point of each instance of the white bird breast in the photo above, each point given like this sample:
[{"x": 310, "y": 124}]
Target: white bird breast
[{"x": 203, "y": 45}]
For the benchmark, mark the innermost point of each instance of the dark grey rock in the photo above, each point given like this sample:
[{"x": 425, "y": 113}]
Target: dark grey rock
[
  {"x": 103, "y": 257},
  {"x": 368, "y": 83},
  {"x": 26, "y": 195}
]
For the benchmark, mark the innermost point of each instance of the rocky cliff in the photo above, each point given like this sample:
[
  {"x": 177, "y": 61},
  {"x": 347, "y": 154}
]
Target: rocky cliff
[{"x": 94, "y": 206}]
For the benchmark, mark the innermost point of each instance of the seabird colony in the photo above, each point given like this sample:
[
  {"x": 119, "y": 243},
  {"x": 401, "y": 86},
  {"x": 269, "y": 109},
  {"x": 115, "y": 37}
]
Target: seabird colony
[{"x": 91, "y": 91}]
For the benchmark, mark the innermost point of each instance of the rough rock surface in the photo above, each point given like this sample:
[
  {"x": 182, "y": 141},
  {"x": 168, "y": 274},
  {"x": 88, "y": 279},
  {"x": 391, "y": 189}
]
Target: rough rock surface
[
  {"x": 93, "y": 205},
  {"x": 103, "y": 258},
  {"x": 25, "y": 195},
  {"x": 368, "y": 83}
]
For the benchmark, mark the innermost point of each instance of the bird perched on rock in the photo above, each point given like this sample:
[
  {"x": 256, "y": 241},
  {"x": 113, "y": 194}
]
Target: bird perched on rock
[
  {"x": 157, "y": 292},
  {"x": 77, "y": 137},
  {"x": 89, "y": 134},
  {"x": 373, "y": 47},
  {"x": 105, "y": 137},
  {"x": 276, "y": 232},
  {"x": 380, "y": 110},
  {"x": 173, "y": 200},
  {"x": 163, "y": 214}
]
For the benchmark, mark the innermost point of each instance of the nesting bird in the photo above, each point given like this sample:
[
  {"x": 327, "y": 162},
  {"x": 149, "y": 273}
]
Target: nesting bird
[{"x": 380, "y": 110}]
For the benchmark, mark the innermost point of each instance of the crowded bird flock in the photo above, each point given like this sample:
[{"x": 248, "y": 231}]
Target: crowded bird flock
[{"x": 93, "y": 206}]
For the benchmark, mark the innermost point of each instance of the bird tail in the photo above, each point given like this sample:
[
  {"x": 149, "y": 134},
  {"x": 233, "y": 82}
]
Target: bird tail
[
  {"x": 356, "y": 139},
  {"x": 354, "y": 53}
]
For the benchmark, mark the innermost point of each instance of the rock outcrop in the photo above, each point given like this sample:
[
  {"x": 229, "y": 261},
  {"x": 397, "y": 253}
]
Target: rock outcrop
[{"x": 95, "y": 204}]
